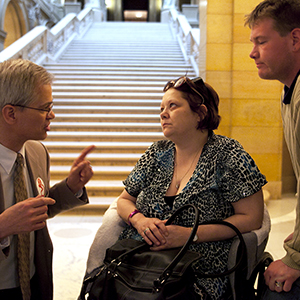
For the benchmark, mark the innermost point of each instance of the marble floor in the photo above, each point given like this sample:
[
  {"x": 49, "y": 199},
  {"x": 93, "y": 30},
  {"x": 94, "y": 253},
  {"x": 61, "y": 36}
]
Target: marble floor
[{"x": 72, "y": 236}]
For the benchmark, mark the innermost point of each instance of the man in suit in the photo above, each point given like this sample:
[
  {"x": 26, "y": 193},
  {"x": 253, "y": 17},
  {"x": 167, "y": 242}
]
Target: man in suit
[{"x": 26, "y": 111}]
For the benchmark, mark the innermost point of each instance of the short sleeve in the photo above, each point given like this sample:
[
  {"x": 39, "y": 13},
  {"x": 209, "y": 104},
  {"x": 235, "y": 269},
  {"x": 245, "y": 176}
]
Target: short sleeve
[
  {"x": 238, "y": 175},
  {"x": 140, "y": 176}
]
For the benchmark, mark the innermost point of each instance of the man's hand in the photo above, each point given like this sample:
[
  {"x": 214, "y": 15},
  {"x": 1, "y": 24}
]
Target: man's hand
[
  {"x": 279, "y": 277},
  {"x": 81, "y": 171},
  {"x": 25, "y": 216}
]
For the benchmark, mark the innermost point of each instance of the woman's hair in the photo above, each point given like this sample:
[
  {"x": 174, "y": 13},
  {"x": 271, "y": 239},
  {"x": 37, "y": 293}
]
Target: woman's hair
[
  {"x": 20, "y": 81},
  {"x": 285, "y": 13},
  {"x": 212, "y": 118}
]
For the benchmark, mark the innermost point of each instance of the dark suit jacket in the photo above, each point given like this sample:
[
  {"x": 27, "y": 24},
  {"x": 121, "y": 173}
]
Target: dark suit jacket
[{"x": 38, "y": 164}]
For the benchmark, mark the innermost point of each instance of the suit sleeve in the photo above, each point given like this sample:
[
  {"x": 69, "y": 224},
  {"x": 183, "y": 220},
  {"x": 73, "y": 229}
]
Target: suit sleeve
[
  {"x": 64, "y": 198},
  {"x": 61, "y": 193}
]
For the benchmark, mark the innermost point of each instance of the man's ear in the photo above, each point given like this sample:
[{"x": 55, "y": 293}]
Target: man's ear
[
  {"x": 295, "y": 34},
  {"x": 9, "y": 114}
]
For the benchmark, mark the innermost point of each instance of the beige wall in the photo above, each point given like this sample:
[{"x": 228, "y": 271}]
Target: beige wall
[
  {"x": 14, "y": 22},
  {"x": 249, "y": 106}
]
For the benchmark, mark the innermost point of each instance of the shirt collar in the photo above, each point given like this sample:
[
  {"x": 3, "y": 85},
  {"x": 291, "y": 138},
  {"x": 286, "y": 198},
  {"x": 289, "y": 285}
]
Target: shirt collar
[
  {"x": 8, "y": 158},
  {"x": 288, "y": 92}
]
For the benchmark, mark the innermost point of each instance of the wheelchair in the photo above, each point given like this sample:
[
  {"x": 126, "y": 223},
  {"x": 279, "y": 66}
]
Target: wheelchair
[{"x": 246, "y": 283}]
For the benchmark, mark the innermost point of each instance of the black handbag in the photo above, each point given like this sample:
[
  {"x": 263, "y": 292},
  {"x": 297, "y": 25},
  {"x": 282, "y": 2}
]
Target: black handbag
[{"x": 132, "y": 271}]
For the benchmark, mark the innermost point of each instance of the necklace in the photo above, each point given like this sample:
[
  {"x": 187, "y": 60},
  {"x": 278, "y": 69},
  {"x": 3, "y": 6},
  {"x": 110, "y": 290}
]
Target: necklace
[{"x": 177, "y": 183}]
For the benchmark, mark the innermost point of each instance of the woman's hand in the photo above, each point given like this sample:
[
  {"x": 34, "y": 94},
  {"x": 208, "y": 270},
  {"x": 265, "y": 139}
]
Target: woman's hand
[
  {"x": 153, "y": 230},
  {"x": 177, "y": 237}
]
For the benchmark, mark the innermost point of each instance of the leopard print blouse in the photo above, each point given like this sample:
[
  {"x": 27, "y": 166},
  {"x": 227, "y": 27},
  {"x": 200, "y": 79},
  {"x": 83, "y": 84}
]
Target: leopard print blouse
[{"x": 225, "y": 173}]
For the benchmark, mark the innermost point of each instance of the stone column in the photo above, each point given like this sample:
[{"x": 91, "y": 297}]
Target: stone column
[{"x": 2, "y": 39}]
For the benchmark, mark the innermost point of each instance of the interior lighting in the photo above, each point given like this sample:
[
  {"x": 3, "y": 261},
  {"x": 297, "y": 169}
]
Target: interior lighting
[{"x": 108, "y": 3}]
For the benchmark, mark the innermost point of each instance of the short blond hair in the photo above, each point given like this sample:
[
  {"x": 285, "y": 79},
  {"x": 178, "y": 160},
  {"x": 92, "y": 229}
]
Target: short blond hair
[
  {"x": 284, "y": 13},
  {"x": 20, "y": 81}
]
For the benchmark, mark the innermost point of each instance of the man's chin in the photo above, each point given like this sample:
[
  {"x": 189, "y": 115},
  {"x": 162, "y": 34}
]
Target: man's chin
[{"x": 267, "y": 76}]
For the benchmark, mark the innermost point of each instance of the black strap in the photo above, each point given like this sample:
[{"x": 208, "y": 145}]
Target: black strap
[
  {"x": 241, "y": 255},
  {"x": 169, "y": 269}
]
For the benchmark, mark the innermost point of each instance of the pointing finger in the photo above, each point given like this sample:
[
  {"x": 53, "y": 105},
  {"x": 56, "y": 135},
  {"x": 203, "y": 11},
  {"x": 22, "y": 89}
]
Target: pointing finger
[{"x": 84, "y": 153}]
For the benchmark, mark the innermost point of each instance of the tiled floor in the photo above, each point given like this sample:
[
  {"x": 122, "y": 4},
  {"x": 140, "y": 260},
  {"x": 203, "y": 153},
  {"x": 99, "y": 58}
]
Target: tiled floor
[{"x": 72, "y": 236}]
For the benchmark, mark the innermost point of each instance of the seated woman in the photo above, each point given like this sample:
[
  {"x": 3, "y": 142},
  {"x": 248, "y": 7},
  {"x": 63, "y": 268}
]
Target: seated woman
[{"x": 193, "y": 165}]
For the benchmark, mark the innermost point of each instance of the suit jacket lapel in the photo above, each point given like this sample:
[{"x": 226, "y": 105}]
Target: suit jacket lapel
[
  {"x": 1, "y": 197},
  {"x": 36, "y": 169}
]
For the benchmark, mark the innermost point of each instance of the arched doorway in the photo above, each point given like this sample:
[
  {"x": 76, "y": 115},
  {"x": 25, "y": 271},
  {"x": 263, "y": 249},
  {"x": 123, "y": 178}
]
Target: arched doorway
[
  {"x": 14, "y": 23},
  {"x": 135, "y": 10}
]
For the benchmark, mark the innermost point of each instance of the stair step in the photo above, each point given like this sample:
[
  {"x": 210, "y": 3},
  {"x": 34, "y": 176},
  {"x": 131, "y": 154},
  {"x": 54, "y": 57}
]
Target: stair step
[
  {"x": 108, "y": 188},
  {"x": 113, "y": 79},
  {"x": 112, "y": 95},
  {"x": 104, "y": 136},
  {"x": 105, "y": 126},
  {"x": 81, "y": 67},
  {"x": 108, "y": 89},
  {"x": 106, "y": 109},
  {"x": 100, "y": 172},
  {"x": 99, "y": 202},
  {"x": 96, "y": 159},
  {"x": 81, "y": 82},
  {"x": 101, "y": 147},
  {"x": 144, "y": 78},
  {"x": 119, "y": 118},
  {"x": 168, "y": 74},
  {"x": 108, "y": 102}
]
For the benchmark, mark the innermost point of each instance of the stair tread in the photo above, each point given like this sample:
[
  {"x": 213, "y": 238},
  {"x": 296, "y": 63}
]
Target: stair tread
[
  {"x": 115, "y": 169},
  {"x": 107, "y": 92},
  {"x": 93, "y": 155}
]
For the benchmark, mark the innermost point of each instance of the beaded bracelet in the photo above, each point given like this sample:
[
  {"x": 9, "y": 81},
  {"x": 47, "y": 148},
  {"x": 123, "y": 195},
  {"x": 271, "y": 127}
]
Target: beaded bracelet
[{"x": 136, "y": 211}]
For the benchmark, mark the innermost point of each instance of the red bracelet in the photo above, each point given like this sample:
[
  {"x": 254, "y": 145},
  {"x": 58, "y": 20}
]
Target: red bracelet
[{"x": 136, "y": 211}]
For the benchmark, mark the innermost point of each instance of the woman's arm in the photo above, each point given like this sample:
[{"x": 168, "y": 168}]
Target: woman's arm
[
  {"x": 152, "y": 230},
  {"x": 248, "y": 216}
]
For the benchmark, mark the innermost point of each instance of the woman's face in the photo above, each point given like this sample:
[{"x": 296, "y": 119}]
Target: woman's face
[{"x": 176, "y": 117}]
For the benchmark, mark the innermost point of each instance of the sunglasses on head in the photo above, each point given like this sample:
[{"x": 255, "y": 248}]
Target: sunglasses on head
[{"x": 179, "y": 82}]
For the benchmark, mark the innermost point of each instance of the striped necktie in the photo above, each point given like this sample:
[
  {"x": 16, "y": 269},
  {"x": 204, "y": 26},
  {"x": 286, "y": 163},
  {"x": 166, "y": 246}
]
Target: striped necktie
[{"x": 23, "y": 245}]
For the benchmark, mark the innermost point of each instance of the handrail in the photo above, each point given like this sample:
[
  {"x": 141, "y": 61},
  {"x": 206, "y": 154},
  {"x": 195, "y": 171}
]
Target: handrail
[
  {"x": 43, "y": 45},
  {"x": 188, "y": 37}
]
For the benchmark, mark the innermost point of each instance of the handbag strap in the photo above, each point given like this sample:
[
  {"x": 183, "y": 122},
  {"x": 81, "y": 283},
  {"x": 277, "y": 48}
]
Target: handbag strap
[
  {"x": 169, "y": 221},
  {"x": 242, "y": 252},
  {"x": 169, "y": 269}
]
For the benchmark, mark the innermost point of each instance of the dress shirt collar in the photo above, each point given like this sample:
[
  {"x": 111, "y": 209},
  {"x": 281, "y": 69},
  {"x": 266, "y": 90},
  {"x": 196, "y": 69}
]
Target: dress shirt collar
[
  {"x": 288, "y": 92},
  {"x": 8, "y": 158}
]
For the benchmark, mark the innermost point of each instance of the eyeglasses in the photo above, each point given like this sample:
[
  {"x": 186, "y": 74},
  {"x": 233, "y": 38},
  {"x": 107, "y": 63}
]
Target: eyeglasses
[
  {"x": 47, "y": 110},
  {"x": 179, "y": 82}
]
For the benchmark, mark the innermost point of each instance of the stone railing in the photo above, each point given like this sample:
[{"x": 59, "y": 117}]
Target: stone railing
[
  {"x": 43, "y": 45},
  {"x": 188, "y": 37}
]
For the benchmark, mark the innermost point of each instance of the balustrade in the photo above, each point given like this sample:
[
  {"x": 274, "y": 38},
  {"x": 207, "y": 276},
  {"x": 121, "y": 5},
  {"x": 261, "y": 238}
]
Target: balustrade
[
  {"x": 46, "y": 45},
  {"x": 42, "y": 44}
]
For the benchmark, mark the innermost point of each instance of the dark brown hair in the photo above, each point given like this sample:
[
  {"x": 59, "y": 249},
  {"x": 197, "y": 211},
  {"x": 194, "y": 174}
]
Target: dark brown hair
[{"x": 212, "y": 118}]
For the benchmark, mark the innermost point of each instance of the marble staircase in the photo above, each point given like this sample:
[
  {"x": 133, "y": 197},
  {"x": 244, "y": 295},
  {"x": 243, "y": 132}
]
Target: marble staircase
[{"x": 107, "y": 92}]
